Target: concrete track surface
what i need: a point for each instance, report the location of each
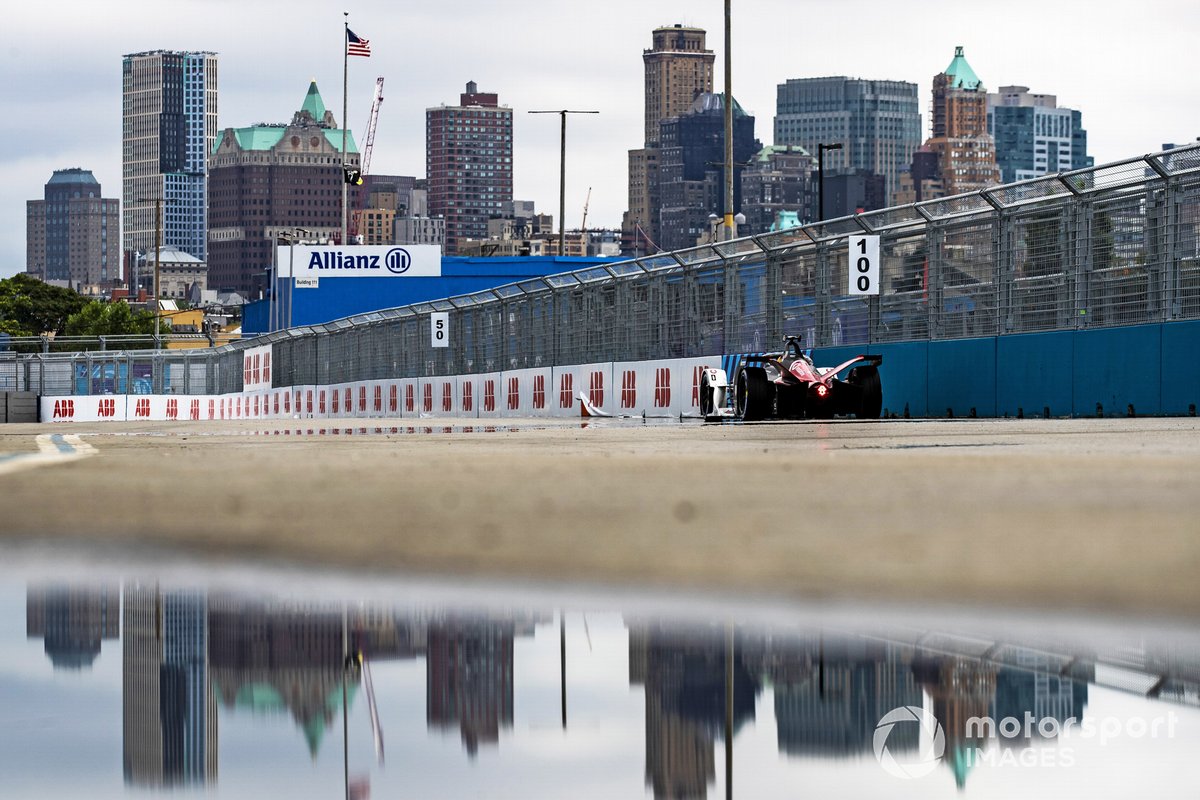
(1089, 514)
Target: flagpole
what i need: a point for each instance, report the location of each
(345, 111)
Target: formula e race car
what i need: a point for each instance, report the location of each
(788, 385)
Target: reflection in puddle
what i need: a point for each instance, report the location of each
(237, 693)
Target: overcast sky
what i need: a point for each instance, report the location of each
(1130, 69)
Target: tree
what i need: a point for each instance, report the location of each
(29, 307)
(109, 319)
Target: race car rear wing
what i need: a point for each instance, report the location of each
(873, 361)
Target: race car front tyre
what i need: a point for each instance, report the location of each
(866, 378)
(755, 397)
(707, 406)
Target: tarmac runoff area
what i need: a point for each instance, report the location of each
(1100, 515)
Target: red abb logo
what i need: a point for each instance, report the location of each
(248, 369)
(308, 400)
(539, 391)
(379, 398)
(142, 409)
(489, 395)
(514, 394)
(64, 409)
(566, 390)
(628, 389)
(427, 398)
(337, 401)
(662, 387)
(468, 399)
(447, 397)
(266, 370)
(393, 398)
(256, 404)
(349, 400)
(362, 398)
(596, 390)
(408, 398)
(194, 412)
(172, 408)
(107, 407)
(212, 409)
(275, 405)
(696, 373)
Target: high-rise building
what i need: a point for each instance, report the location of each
(966, 151)
(691, 175)
(878, 123)
(271, 179)
(469, 679)
(72, 233)
(1033, 135)
(169, 127)
(468, 163)
(778, 180)
(679, 68)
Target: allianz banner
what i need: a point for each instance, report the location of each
(359, 261)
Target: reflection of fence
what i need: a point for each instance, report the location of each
(1117, 244)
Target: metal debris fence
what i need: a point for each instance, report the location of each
(1117, 244)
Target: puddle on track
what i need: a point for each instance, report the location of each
(115, 681)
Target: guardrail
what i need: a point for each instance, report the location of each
(1112, 245)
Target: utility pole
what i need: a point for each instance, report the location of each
(562, 176)
(730, 224)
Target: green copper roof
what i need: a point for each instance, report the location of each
(313, 103)
(265, 137)
(961, 74)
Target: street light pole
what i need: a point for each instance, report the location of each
(821, 148)
(730, 224)
(562, 176)
(158, 204)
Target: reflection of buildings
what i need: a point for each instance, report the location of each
(469, 678)
(961, 689)
(272, 657)
(1034, 688)
(72, 621)
(170, 720)
(830, 696)
(684, 676)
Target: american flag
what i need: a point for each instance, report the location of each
(356, 46)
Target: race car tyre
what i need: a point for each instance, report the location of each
(755, 394)
(867, 380)
(707, 408)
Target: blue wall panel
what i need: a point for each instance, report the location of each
(1118, 367)
(1033, 371)
(1180, 366)
(962, 376)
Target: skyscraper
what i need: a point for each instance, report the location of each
(679, 68)
(71, 234)
(691, 175)
(966, 151)
(169, 127)
(878, 123)
(270, 179)
(468, 161)
(1033, 135)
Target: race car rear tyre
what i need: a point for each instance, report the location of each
(755, 396)
(870, 404)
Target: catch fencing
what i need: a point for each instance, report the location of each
(1113, 245)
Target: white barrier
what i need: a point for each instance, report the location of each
(665, 388)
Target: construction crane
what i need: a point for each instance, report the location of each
(365, 160)
(586, 202)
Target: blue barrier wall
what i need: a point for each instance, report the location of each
(337, 298)
(1154, 368)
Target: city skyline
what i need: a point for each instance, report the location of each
(76, 101)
